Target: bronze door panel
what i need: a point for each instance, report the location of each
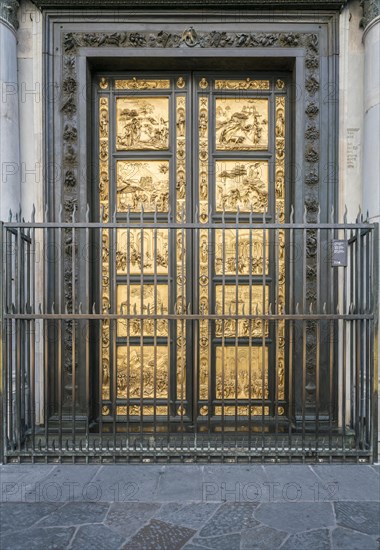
(195, 149)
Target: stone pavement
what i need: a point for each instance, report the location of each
(190, 507)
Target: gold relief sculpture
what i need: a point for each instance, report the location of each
(236, 373)
(129, 302)
(230, 410)
(203, 159)
(241, 124)
(249, 249)
(280, 206)
(146, 250)
(236, 305)
(103, 83)
(142, 183)
(104, 197)
(141, 84)
(203, 83)
(204, 339)
(135, 410)
(241, 184)
(181, 156)
(181, 239)
(142, 372)
(246, 84)
(181, 83)
(142, 123)
(280, 84)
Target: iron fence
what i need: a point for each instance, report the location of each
(304, 388)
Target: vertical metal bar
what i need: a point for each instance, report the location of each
(183, 310)
(168, 413)
(277, 311)
(236, 325)
(87, 330)
(223, 326)
(59, 343)
(23, 363)
(18, 339)
(46, 407)
(3, 364)
(318, 333)
(142, 329)
(196, 332)
(250, 264)
(33, 337)
(209, 332)
(155, 312)
(100, 333)
(360, 339)
(10, 433)
(374, 359)
(304, 324)
(129, 311)
(352, 348)
(113, 326)
(27, 346)
(291, 331)
(365, 332)
(73, 335)
(331, 346)
(344, 351)
(358, 366)
(265, 320)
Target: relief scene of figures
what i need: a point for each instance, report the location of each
(241, 184)
(241, 124)
(142, 184)
(142, 123)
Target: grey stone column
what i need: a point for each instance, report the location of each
(371, 143)
(9, 110)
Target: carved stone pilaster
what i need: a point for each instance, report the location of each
(8, 12)
(371, 9)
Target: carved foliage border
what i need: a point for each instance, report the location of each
(190, 38)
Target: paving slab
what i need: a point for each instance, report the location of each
(16, 515)
(22, 482)
(291, 483)
(319, 539)
(96, 537)
(122, 483)
(62, 483)
(39, 538)
(360, 516)
(76, 513)
(126, 518)
(231, 517)
(348, 482)
(293, 517)
(159, 535)
(193, 515)
(262, 538)
(180, 483)
(346, 539)
(226, 542)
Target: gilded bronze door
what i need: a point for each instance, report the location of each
(187, 162)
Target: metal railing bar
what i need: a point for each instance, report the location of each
(194, 316)
(147, 224)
